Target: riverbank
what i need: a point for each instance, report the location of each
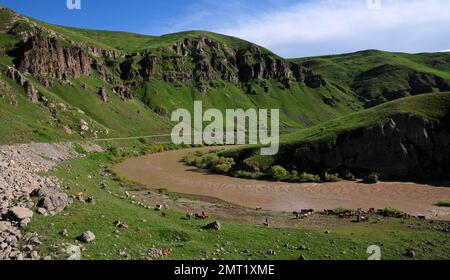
(167, 170)
(131, 222)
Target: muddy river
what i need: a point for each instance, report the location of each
(165, 170)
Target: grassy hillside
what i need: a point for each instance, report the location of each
(434, 106)
(149, 112)
(168, 72)
(150, 229)
(377, 76)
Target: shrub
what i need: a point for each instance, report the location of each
(190, 159)
(198, 154)
(392, 212)
(199, 163)
(248, 175)
(143, 140)
(371, 179)
(210, 160)
(443, 203)
(349, 176)
(341, 210)
(331, 177)
(279, 173)
(309, 178)
(114, 151)
(79, 149)
(224, 165)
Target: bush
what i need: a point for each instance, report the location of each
(114, 151)
(198, 154)
(331, 177)
(79, 149)
(224, 165)
(443, 203)
(341, 210)
(309, 178)
(210, 160)
(248, 175)
(349, 176)
(279, 173)
(392, 212)
(143, 140)
(190, 159)
(371, 179)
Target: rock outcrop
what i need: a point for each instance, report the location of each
(46, 56)
(200, 61)
(103, 94)
(405, 146)
(204, 60)
(19, 181)
(29, 88)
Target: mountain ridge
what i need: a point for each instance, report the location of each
(88, 83)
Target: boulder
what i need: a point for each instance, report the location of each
(214, 226)
(103, 94)
(21, 213)
(53, 201)
(87, 237)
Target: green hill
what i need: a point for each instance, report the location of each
(68, 83)
(406, 138)
(124, 84)
(377, 76)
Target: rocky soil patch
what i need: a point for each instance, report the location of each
(23, 191)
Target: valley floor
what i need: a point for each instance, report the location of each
(101, 198)
(167, 170)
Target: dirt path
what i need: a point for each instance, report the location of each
(165, 170)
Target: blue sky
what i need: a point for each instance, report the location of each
(291, 28)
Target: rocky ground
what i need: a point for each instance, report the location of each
(23, 193)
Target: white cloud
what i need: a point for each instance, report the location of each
(327, 26)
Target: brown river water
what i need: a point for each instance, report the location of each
(165, 170)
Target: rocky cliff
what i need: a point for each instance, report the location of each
(201, 61)
(404, 146)
(46, 56)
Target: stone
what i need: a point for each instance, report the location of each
(53, 201)
(73, 252)
(103, 94)
(155, 253)
(42, 211)
(24, 223)
(120, 224)
(410, 253)
(21, 213)
(64, 233)
(87, 237)
(214, 226)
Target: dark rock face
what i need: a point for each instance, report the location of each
(31, 91)
(201, 61)
(29, 88)
(103, 94)
(45, 56)
(204, 60)
(404, 146)
(124, 92)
